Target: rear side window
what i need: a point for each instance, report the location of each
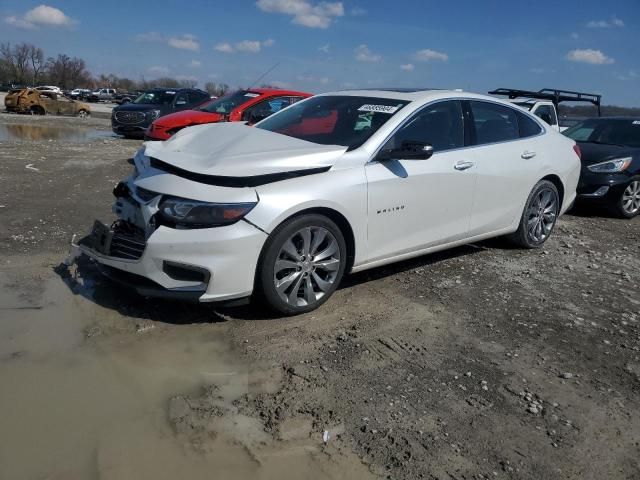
(546, 113)
(527, 126)
(494, 123)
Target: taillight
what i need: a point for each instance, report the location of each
(576, 149)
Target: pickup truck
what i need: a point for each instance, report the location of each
(125, 97)
(544, 103)
(102, 95)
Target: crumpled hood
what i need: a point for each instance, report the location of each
(189, 117)
(237, 150)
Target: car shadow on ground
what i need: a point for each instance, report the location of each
(259, 312)
(85, 279)
(594, 210)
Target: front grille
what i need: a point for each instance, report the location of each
(127, 242)
(129, 118)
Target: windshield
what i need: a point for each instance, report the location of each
(226, 104)
(334, 120)
(156, 97)
(615, 131)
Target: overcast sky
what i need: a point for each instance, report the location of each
(587, 45)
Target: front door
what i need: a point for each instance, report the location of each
(416, 204)
(49, 102)
(65, 106)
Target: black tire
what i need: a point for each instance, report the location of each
(621, 208)
(536, 223)
(311, 276)
(37, 110)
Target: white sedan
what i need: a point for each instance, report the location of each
(340, 182)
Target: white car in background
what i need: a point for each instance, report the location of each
(284, 209)
(49, 88)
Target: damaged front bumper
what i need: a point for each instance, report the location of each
(207, 265)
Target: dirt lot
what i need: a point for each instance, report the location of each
(481, 362)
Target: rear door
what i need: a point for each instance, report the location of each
(506, 156)
(416, 204)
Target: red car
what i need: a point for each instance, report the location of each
(250, 106)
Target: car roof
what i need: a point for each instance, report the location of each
(169, 89)
(415, 95)
(278, 91)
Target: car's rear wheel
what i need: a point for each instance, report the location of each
(539, 216)
(628, 204)
(83, 114)
(301, 264)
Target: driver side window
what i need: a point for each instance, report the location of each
(181, 99)
(267, 107)
(440, 125)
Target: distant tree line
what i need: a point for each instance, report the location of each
(592, 111)
(25, 64)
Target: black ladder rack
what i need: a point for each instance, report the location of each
(552, 94)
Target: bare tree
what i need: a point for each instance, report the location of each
(17, 60)
(67, 72)
(216, 89)
(78, 74)
(36, 57)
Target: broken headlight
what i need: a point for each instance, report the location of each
(185, 213)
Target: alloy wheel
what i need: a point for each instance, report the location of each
(541, 215)
(306, 266)
(83, 114)
(631, 198)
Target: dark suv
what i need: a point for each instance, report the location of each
(132, 119)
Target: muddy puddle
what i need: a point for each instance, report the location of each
(79, 404)
(46, 132)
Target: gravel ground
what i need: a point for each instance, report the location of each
(481, 362)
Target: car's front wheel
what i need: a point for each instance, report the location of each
(82, 114)
(628, 204)
(301, 264)
(539, 216)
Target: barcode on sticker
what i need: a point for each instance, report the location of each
(378, 108)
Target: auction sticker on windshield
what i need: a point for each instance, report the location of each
(378, 108)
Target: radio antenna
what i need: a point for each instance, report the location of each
(264, 74)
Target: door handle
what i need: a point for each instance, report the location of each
(463, 165)
(527, 155)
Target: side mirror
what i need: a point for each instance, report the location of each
(409, 150)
